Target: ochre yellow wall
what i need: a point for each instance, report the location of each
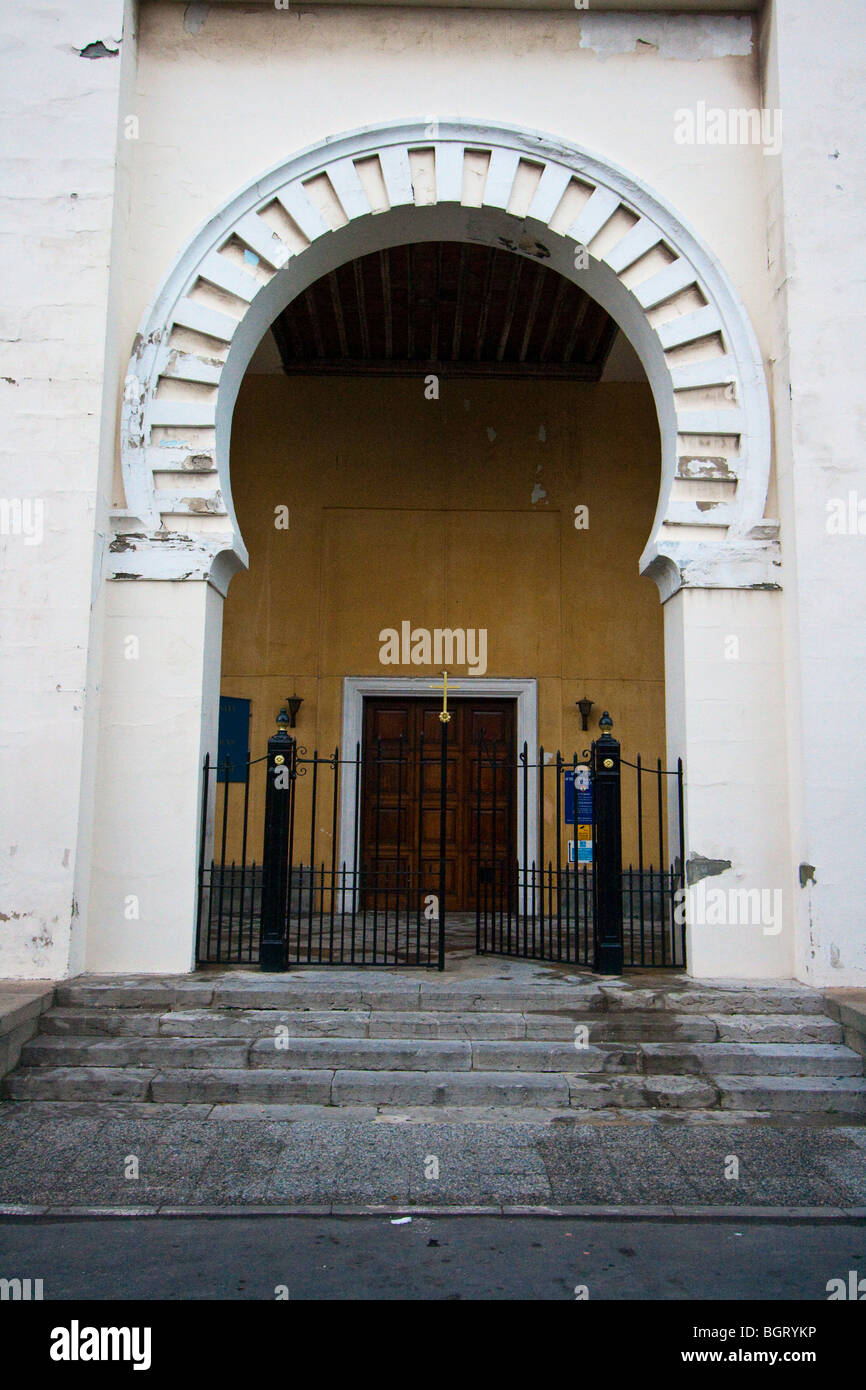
(408, 508)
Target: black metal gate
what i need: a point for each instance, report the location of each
(316, 895)
(570, 896)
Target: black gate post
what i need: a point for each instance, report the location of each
(443, 775)
(275, 865)
(607, 856)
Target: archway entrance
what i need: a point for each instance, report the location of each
(426, 446)
(598, 228)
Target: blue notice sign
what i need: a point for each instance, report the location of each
(234, 739)
(578, 788)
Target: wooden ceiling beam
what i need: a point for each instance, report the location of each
(338, 314)
(458, 312)
(361, 303)
(577, 325)
(313, 313)
(510, 308)
(558, 302)
(532, 311)
(410, 302)
(434, 324)
(485, 304)
(385, 272)
(600, 340)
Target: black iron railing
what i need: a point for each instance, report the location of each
(342, 861)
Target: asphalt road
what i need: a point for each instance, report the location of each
(432, 1258)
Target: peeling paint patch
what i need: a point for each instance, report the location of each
(491, 433)
(835, 957)
(98, 50)
(699, 466)
(195, 16)
(538, 493)
(686, 37)
(698, 867)
(527, 244)
(807, 874)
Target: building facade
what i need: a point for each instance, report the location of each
(532, 322)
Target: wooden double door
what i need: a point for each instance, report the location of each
(401, 802)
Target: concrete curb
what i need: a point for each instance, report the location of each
(14, 1212)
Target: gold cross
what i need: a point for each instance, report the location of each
(444, 716)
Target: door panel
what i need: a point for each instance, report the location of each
(400, 817)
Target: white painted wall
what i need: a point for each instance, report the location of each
(814, 61)
(155, 729)
(725, 719)
(60, 184)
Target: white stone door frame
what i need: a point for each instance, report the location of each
(357, 688)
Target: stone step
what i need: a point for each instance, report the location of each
(320, 991)
(843, 1096)
(745, 999)
(362, 1087)
(78, 1083)
(109, 1021)
(207, 1023)
(100, 1022)
(441, 1054)
(744, 1059)
(314, 989)
(775, 1028)
(819, 1097)
(426, 1054)
(661, 1092)
(362, 1054)
(622, 1027)
(135, 1052)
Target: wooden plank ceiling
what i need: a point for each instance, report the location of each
(445, 306)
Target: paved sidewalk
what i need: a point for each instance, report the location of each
(57, 1157)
